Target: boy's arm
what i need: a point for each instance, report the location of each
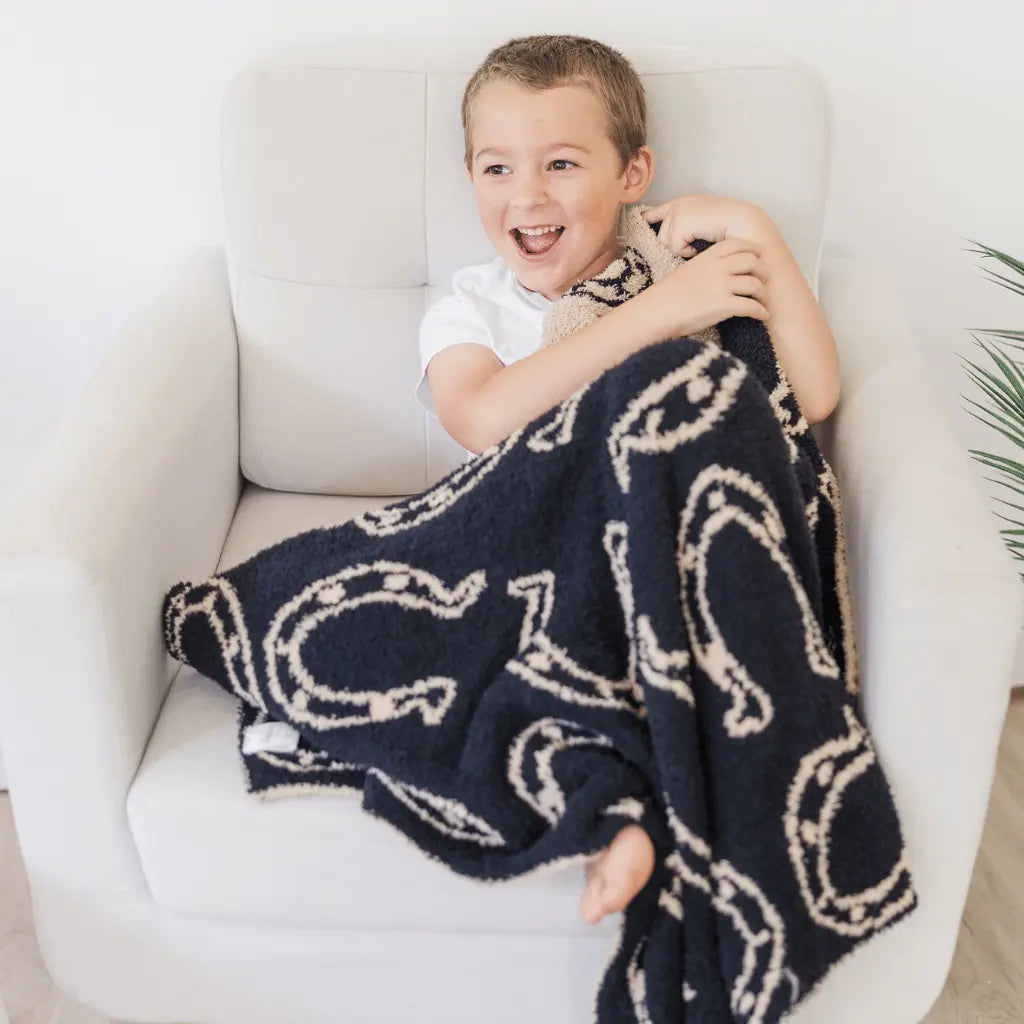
(482, 403)
(511, 396)
(798, 329)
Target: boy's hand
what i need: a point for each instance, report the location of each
(703, 216)
(723, 281)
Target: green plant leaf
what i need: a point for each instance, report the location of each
(999, 394)
(1006, 519)
(1014, 422)
(1003, 501)
(1017, 438)
(1003, 483)
(986, 250)
(1005, 391)
(1011, 372)
(1009, 464)
(1005, 282)
(1014, 470)
(999, 333)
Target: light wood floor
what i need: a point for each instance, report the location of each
(985, 985)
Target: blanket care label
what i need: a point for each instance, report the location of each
(278, 737)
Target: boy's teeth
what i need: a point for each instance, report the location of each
(539, 231)
(536, 243)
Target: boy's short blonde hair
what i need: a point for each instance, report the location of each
(547, 61)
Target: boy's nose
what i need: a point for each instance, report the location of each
(529, 193)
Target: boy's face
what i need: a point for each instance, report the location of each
(532, 175)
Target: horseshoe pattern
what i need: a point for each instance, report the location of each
(217, 601)
(444, 814)
(636, 982)
(787, 412)
(545, 665)
(741, 900)
(794, 424)
(718, 497)
(743, 903)
(404, 515)
(664, 670)
(307, 761)
(628, 807)
(382, 582)
(814, 798)
(709, 380)
(559, 431)
(532, 754)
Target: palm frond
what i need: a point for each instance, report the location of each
(1004, 483)
(1003, 501)
(997, 332)
(1010, 371)
(1016, 522)
(986, 250)
(1014, 470)
(1004, 389)
(1005, 282)
(1017, 437)
(999, 394)
(1007, 396)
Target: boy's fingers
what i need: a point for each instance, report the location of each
(654, 211)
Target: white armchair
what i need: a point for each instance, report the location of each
(267, 390)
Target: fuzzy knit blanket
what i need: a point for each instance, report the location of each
(633, 609)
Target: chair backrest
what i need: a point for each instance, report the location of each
(348, 209)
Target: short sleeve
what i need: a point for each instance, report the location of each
(452, 320)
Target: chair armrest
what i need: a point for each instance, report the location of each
(938, 605)
(135, 490)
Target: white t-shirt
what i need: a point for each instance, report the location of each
(489, 306)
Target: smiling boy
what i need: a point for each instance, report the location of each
(555, 132)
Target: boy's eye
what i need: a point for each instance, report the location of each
(487, 170)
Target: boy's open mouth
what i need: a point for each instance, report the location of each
(535, 246)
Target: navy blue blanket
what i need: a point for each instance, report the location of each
(633, 609)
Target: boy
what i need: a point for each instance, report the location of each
(554, 130)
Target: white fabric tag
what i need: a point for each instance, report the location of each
(279, 737)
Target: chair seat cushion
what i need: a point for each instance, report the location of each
(210, 848)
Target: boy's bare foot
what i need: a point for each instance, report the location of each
(616, 874)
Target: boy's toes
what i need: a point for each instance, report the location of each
(617, 874)
(590, 903)
(599, 897)
(616, 895)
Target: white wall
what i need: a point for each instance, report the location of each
(109, 155)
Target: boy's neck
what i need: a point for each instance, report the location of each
(616, 253)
